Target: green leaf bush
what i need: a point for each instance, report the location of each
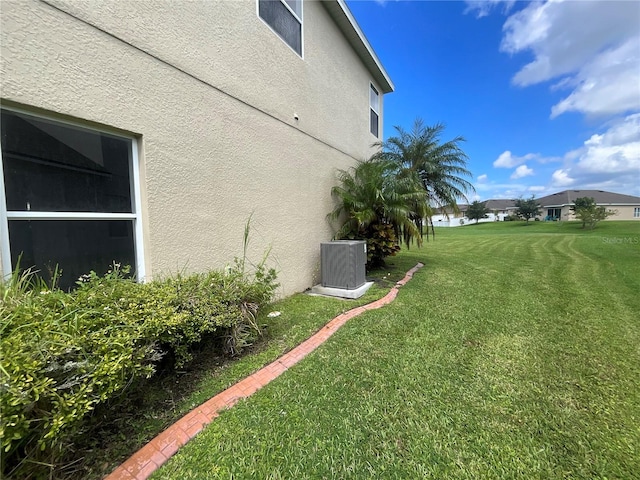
(381, 241)
(63, 353)
(379, 202)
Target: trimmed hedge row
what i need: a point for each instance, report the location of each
(64, 353)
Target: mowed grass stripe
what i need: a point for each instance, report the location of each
(512, 354)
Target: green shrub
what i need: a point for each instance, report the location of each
(382, 242)
(64, 353)
(59, 359)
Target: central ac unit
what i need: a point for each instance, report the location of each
(343, 263)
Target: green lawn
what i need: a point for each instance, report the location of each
(514, 353)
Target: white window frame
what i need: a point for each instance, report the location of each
(636, 212)
(376, 110)
(136, 215)
(297, 17)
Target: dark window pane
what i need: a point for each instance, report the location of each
(283, 22)
(76, 246)
(374, 123)
(295, 5)
(374, 99)
(53, 167)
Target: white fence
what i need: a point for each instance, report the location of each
(443, 221)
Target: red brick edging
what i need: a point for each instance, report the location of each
(150, 457)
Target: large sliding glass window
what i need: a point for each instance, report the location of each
(69, 198)
(554, 213)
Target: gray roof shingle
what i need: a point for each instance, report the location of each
(567, 197)
(500, 204)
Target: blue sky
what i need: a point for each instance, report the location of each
(547, 93)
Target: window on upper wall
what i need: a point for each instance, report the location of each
(636, 212)
(285, 18)
(374, 107)
(69, 198)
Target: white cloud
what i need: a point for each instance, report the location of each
(482, 178)
(482, 8)
(616, 151)
(561, 178)
(592, 44)
(609, 85)
(508, 160)
(521, 171)
(589, 53)
(606, 160)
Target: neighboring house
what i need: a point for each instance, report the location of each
(500, 208)
(149, 132)
(552, 207)
(446, 217)
(558, 205)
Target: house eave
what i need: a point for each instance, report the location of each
(339, 11)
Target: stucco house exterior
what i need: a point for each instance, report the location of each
(446, 217)
(149, 132)
(558, 205)
(500, 208)
(552, 207)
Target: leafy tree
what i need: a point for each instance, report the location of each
(586, 210)
(477, 211)
(527, 209)
(378, 203)
(440, 166)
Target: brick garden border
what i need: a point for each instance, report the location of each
(150, 457)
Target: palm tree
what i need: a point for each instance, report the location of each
(377, 204)
(441, 167)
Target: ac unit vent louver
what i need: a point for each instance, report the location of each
(343, 264)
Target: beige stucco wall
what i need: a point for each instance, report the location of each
(226, 44)
(623, 212)
(215, 118)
